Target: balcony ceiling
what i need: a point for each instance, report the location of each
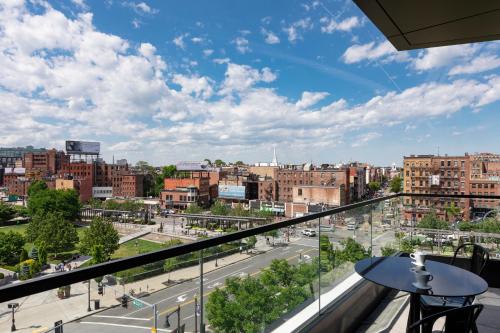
(414, 24)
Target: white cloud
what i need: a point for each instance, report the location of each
(482, 63)
(363, 139)
(60, 77)
(197, 40)
(141, 7)
(369, 51)
(136, 23)
(270, 37)
(295, 30)
(221, 61)
(310, 98)
(179, 41)
(242, 45)
(266, 20)
(329, 25)
(239, 78)
(443, 56)
(208, 52)
(81, 4)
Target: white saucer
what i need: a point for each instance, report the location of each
(415, 263)
(418, 286)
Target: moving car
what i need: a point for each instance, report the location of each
(309, 232)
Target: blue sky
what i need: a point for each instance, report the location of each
(164, 81)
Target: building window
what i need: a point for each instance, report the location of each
(442, 163)
(300, 192)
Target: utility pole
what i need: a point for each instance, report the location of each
(202, 329)
(88, 304)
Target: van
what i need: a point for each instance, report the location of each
(309, 232)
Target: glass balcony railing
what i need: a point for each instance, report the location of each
(274, 277)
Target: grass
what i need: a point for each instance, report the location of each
(130, 248)
(21, 228)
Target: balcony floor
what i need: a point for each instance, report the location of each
(392, 313)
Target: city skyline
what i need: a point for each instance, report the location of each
(315, 79)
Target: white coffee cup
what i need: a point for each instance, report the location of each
(419, 258)
(423, 278)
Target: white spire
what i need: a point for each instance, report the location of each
(275, 159)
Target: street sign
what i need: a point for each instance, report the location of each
(137, 304)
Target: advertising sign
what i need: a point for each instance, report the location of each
(434, 180)
(83, 147)
(232, 192)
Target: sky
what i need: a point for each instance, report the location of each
(167, 81)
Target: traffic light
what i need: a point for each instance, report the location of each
(124, 301)
(100, 289)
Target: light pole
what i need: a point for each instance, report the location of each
(13, 306)
(178, 311)
(88, 306)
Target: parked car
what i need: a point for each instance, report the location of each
(309, 232)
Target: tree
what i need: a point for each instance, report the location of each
(6, 212)
(168, 171)
(251, 241)
(36, 186)
(208, 161)
(374, 186)
(388, 251)
(453, 211)
(239, 163)
(219, 163)
(396, 184)
(98, 254)
(353, 251)
(11, 246)
(432, 221)
(46, 201)
(239, 210)
(219, 208)
(102, 234)
(52, 231)
(193, 209)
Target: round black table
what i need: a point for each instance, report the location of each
(396, 273)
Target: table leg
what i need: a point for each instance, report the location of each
(414, 314)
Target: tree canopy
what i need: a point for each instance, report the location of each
(52, 232)
(101, 234)
(396, 184)
(11, 246)
(219, 163)
(65, 202)
(6, 212)
(374, 186)
(432, 221)
(36, 186)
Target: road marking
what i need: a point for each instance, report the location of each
(122, 325)
(188, 291)
(181, 298)
(215, 285)
(120, 317)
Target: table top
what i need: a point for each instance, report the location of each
(396, 273)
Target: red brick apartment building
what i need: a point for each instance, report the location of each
(468, 174)
(131, 186)
(192, 187)
(49, 162)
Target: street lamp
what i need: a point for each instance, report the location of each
(13, 306)
(178, 311)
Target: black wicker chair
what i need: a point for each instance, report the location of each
(458, 320)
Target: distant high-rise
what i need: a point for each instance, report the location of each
(275, 159)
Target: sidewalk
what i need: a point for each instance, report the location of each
(41, 310)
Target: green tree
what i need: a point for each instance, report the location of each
(65, 202)
(98, 254)
(193, 209)
(24, 255)
(102, 234)
(251, 241)
(239, 163)
(388, 251)
(219, 163)
(453, 211)
(53, 231)
(6, 212)
(11, 246)
(42, 254)
(432, 221)
(396, 184)
(352, 251)
(208, 161)
(219, 208)
(36, 186)
(374, 186)
(168, 171)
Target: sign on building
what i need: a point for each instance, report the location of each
(102, 192)
(232, 192)
(83, 147)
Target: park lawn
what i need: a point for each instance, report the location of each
(20, 228)
(135, 247)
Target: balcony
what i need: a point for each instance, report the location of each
(294, 275)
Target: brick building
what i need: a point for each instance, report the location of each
(192, 187)
(131, 186)
(287, 178)
(48, 162)
(327, 195)
(429, 174)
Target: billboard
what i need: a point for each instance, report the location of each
(434, 180)
(83, 147)
(232, 192)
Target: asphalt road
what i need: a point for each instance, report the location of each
(134, 319)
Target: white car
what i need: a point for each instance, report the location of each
(309, 232)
